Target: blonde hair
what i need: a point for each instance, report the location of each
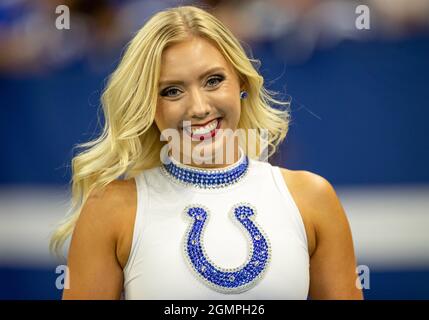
(130, 140)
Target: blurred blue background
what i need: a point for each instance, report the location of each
(359, 119)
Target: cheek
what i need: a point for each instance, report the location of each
(231, 106)
(230, 98)
(167, 116)
(163, 117)
(235, 113)
(159, 118)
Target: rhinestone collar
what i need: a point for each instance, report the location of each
(206, 178)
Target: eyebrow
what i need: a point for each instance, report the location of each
(214, 69)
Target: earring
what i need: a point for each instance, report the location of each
(243, 94)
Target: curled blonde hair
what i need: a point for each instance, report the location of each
(130, 140)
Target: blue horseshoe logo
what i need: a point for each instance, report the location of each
(222, 279)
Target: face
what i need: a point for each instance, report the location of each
(197, 85)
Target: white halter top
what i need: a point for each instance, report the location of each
(243, 239)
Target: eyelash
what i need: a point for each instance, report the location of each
(218, 77)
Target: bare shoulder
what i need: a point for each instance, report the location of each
(119, 199)
(313, 195)
(332, 263)
(99, 241)
(316, 194)
(307, 180)
(112, 206)
(116, 192)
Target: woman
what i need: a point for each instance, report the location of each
(165, 230)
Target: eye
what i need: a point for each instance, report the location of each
(215, 80)
(166, 92)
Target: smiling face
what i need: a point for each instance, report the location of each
(197, 85)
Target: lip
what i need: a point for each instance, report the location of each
(206, 136)
(203, 124)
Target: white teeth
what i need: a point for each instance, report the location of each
(206, 129)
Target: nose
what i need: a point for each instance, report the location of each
(199, 108)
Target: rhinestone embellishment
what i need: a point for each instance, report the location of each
(227, 280)
(206, 178)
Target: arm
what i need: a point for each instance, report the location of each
(333, 263)
(332, 259)
(94, 270)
